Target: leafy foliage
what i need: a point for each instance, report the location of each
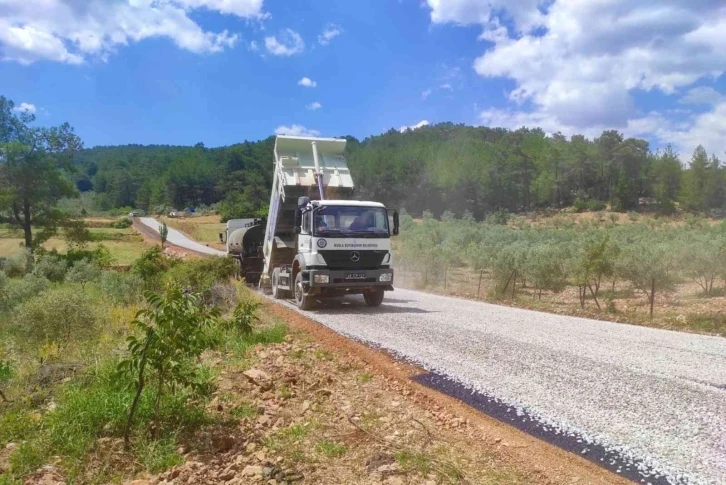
(52, 267)
(173, 336)
(34, 166)
(82, 272)
(57, 315)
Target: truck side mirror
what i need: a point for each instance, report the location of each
(395, 223)
(222, 238)
(296, 230)
(298, 220)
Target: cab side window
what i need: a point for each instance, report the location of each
(306, 222)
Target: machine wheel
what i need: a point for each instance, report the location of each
(374, 298)
(303, 301)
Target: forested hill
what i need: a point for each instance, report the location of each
(442, 167)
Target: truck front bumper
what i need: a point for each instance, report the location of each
(342, 278)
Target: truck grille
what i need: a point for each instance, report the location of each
(347, 260)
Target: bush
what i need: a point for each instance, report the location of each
(122, 288)
(201, 274)
(20, 290)
(100, 255)
(18, 265)
(595, 205)
(52, 267)
(580, 205)
(123, 223)
(82, 272)
(58, 315)
(500, 217)
(150, 265)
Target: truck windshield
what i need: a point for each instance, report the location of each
(331, 221)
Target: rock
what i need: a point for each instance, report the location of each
(393, 481)
(252, 471)
(378, 460)
(256, 376)
(223, 443)
(305, 406)
(11, 446)
(263, 420)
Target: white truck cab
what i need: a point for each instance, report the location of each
(316, 247)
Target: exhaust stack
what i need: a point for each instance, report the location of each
(318, 172)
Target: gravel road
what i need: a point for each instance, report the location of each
(178, 239)
(655, 396)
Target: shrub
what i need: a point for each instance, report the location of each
(595, 205)
(18, 265)
(100, 255)
(123, 223)
(124, 288)
(201, 274)
(82, 272)
(151, 264)
(20, 290)
(174, 333)
(500, 217)
(580, 205)
(52, 267)
(57, 315)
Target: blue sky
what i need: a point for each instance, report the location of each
(222, 71)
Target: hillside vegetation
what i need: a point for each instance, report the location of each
(442, 167)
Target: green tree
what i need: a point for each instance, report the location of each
(33, 172)
(695, 194)
(163, 233)
(667, 173)
(173, 335)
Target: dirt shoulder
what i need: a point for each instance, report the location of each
(321, 409)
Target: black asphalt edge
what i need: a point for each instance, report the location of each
(613, 461)
(634, 470)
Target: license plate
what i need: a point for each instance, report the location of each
(355, 276)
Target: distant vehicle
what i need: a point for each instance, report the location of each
(133, 214)
(313, 247)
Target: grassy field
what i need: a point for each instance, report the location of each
(204, 229)
(125, 245)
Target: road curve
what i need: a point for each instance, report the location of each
(653, 396)
(178, 239)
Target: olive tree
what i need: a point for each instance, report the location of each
(650, 267)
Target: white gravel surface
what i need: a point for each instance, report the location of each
(178, 239)
(654, 395)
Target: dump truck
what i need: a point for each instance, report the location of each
(318, 241)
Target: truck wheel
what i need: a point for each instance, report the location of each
(303, 301)
(277, 293)
(373, 298)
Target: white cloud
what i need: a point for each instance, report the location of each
(446, 86)
(72, 31)
(289, 43)
(413, 127)
(253, 46)
(295, 130)
(426, 93)
(313, 106)
(578, 65)
(307, 82)
(26, 107)
(702, 95)
(330, 32)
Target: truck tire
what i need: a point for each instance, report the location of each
(374, 298)
(303, 301)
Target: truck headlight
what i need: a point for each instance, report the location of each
(321, 278)
(386, 277)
